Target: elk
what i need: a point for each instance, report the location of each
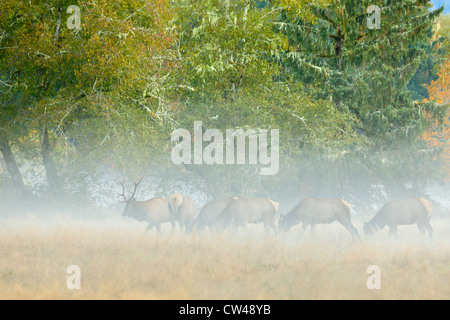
(154, 211)
(241, 212)
(402, 212)
(211, 211)
(312, 211)
(182, 208)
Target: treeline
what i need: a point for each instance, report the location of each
(351, 102)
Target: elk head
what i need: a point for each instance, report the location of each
(370, 228)
(130, 201)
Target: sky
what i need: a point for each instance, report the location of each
(439, 3)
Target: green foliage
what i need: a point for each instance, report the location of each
(230, 56)
(84, 83)
(112, 92)
(444, 29)
(435, 56)
(368, 74)
(226, 46)
(364, 71)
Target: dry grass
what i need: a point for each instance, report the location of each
(118, 260)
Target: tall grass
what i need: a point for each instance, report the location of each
(118, 260)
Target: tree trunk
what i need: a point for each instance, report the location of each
(53, 179)
(339, 43)
(11, 165)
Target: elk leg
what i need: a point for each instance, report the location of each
(351, 228)
(313, 230)
(233, 225)
(266, 227)
(421, 228)
(304, 226)
(429, 228)
(269, 225)
(149, 227)
(274, 227)
(189, 227)
(173, 224)
(392, 231)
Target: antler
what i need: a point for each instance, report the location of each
(136, 185)
(123, 191)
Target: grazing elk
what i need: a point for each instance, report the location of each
(241, 212)
(154, 211)
(312, 211)
(402, 212)
(211, 211)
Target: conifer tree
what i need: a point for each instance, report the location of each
(366, 71)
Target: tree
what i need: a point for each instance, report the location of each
(364, 71)
(55, 79)
(438, 135)
(229, 52)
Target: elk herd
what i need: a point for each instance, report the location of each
(235, 212)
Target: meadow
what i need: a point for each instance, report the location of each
(119, 260)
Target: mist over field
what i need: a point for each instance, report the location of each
(118, 260)
(247, 149)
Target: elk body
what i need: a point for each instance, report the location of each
(154, 211)
(402, 212)
(211, 211)
(182, 208)
(312, 211)
(242, 212)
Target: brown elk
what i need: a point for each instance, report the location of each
(211, 211)
(402, 212)
(182, 208)
(154, 211)
(312, 211)
(241, 212)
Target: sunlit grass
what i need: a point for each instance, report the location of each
(118, 260)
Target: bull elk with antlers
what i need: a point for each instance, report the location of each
(154, 211)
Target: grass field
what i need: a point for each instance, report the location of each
(118, 260)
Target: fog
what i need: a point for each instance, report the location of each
(224, 150)
(120, 259)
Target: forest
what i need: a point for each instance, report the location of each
(224, 149)
(89, 88)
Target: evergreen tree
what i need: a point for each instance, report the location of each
(366, 71)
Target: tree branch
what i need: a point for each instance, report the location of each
(58, 27)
